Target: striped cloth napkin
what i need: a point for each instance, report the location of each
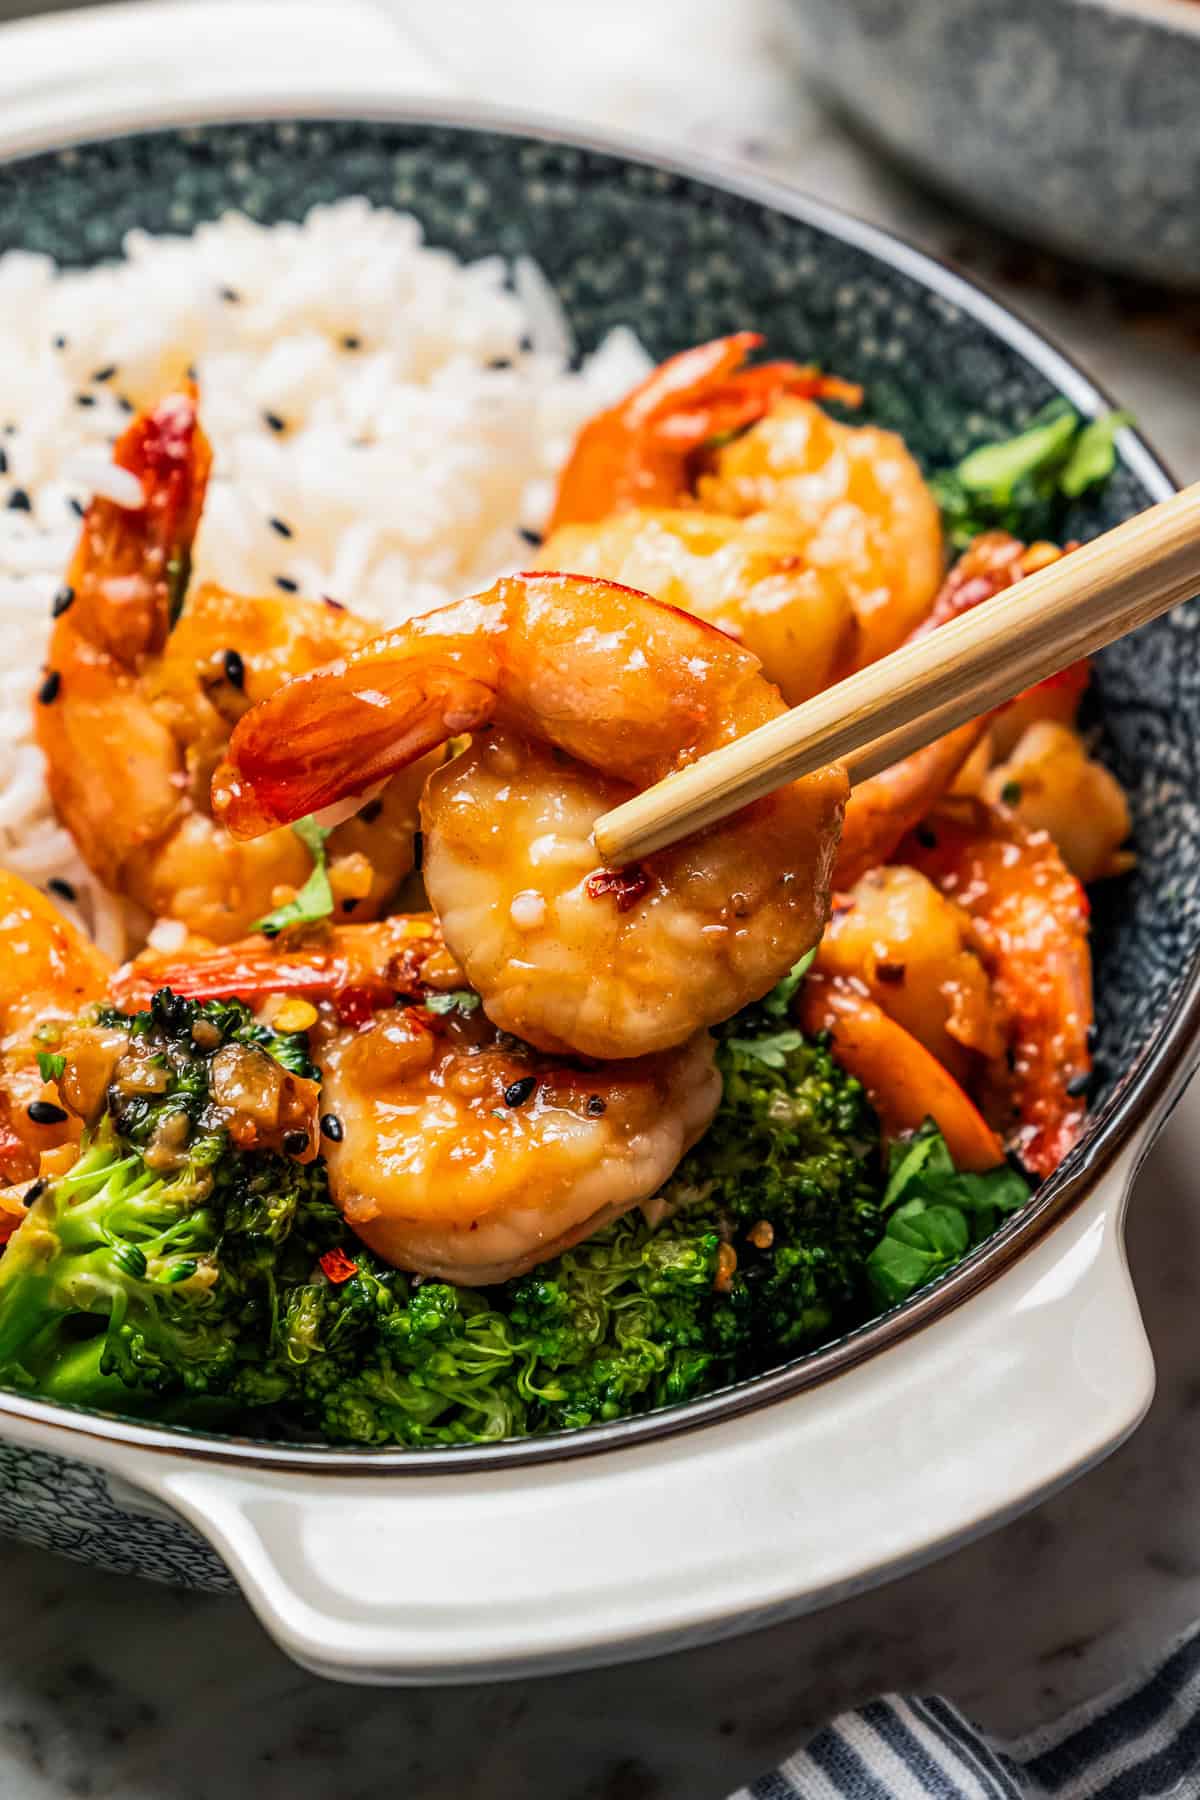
(1140, 1740)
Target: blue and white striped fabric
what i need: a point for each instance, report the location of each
(1139, 1741)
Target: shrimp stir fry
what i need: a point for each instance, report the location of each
(578, 692)
(452, 1149)
(147, 683)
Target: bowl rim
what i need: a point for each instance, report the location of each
(1163, 1070)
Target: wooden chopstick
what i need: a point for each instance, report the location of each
(877, 717)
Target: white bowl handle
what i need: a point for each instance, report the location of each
(464, 1576)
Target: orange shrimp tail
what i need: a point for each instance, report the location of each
(1032, 915)
(905, 1084)
(636, 453)
(130, 569)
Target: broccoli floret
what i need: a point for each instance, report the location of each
(153, 1268)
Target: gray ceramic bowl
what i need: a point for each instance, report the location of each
(1075, 123)
(876, 1450)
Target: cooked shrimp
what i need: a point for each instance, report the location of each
(847, 501)
(742, 575)
(457, 1152)
(639, 452)
(1030, 917)
(904, 1083)
(1052, 784)
(857, 505)
(596, 691)
(917, 955)
(48, 971)
(143, 700)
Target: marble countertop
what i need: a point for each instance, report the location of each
(119, 1688)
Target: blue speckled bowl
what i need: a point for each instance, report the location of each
(1070, 122)
(681, 256)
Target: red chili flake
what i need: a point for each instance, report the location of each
(338, 1267)
(355, 1005)
(626, 885)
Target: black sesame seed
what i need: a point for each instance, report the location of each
(351, 342)
(348, 906)
(106, 373)
(418, 851)
(19, 501)
(48, 692)
(230, 296)
(331, 1127)
(59, 342)
(287, 585)
(371, 811)
(64, 599)
(1079, 1084)
(526, 343)
(596, 1106)
(519, 1091)
(85, 399)
(332, 604)
(235, 669)
(76, 506)
(281, 526)
(62, 888)
(274, 421)
(295, 1143)
(10, 429)
(500, 362)
(190, 372)
(531, 537)
(3, 461)
(35, 1192)
(125, 403)
(44, 1112)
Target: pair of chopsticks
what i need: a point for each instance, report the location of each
(904, 701)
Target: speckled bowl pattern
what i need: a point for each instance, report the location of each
(1073, 123)
(680, 260)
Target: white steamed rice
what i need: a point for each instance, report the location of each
(426, 405)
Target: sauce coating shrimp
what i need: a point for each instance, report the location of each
(742, 575)
(1030, 917)
(858, 507)
(48, 970)
(143, 696)
(593, 691)
(845, 548)
(455, 1151)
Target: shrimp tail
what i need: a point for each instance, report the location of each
(131, 568)
(636, 452)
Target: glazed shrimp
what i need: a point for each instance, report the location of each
(639, 452)
(591, 691)
(1030, 918)
(48, 971)
(454, 1151)
(141, 697)
(847, 502)
(742, 575)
